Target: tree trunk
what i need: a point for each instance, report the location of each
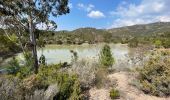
(33, 46)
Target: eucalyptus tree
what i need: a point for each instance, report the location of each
(24, 17)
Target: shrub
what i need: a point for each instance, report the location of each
(154, 77)
(101, 77)
(13, 67)
(114, 94)
(24, 72)
(106, 58)
(69, 86)
(66, 85)
(166, 43)
(10, 88)
(86, 72)
(158, 43)
(18, 70)
(133, 43)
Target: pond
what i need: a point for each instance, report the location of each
(61, 53)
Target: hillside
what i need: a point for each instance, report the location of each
(122, 34)
(142, 30)
(135, 30)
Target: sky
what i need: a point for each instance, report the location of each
(105, 14)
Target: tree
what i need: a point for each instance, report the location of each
(24, 16)
(106, 58)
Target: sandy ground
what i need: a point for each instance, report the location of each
(127, 91)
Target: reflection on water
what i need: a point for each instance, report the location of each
(57, 53)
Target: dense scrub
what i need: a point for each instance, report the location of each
(52, 78)
(154, 77)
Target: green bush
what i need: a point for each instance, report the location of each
(166, 43)
(154, 77)
(114, 94)
(24, 72)
(106, 58)
(21, 71)
(133, 43)
(69, 86)
(158, 43)
(13, 67)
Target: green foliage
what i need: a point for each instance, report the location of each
(106, 58)
(23, 72)
(27, 68)
(166, 43)
(42, 60)
(28, 59)
(41, 42)
(76, 94)
(133, 43)
(47, 74)
(18, 70)
(114, 94)
(7, 46)
(14, 66)
(158, 43)
(69, 86)
(155, 75)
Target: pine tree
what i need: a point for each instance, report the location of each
(106, 58)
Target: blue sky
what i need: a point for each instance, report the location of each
(113, 13)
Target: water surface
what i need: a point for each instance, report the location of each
(61, 53)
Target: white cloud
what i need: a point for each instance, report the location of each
(163, 18)
(147, 11)
(129, 22)
(96, 14)
(70, 5)
(87, 8)
(90, 10)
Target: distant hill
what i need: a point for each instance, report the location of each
(123, 34)
(135, 30)
(141, 30)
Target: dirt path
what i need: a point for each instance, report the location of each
(127, 91)
(130, 92)
(99, 94)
